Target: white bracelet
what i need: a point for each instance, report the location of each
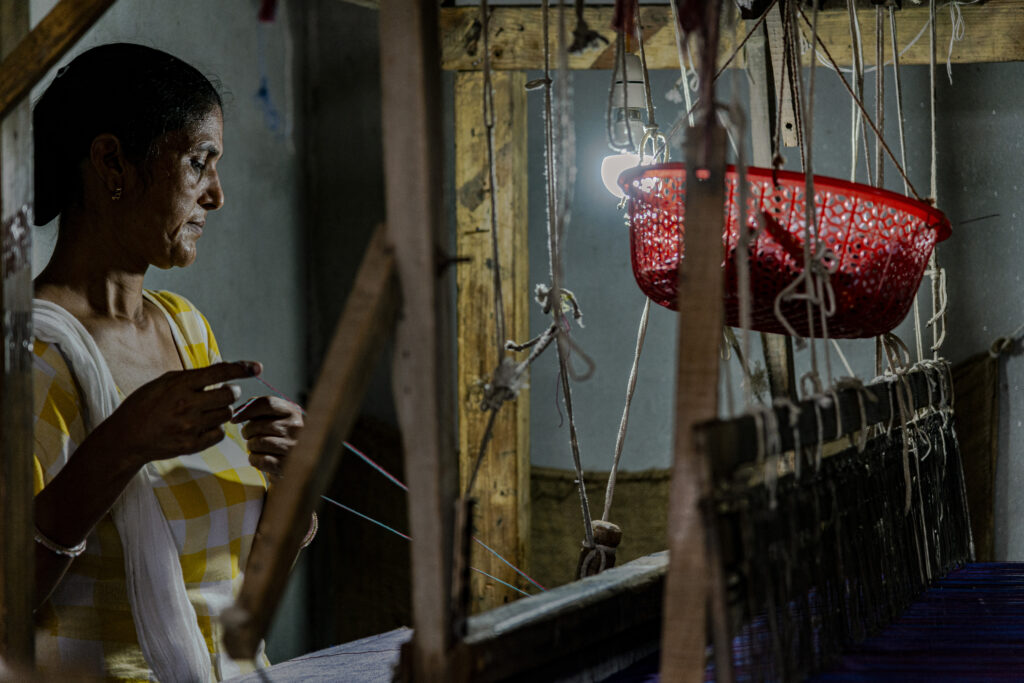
(72, 552)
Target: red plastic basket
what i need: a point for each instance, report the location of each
(881, 241)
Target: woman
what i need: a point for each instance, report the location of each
(148, 493)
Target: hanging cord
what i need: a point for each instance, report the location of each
(559, 172)
(620, 66)
(488, 112)
(657, 141)
(659, 148)
(860, 105)
(879, 94)
(938, 276)
(819, 262)
(903, 156)
(681, 51)
(620, 439)
(688, 116)
(956, 34)
(856, 122)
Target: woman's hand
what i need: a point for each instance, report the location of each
(273, 427)
(177, 413)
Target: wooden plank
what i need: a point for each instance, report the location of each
(517, 40)
(503, 483)
(17, 569)
(359, 336)
(995, 33)
(688, 584)
(734, 442)
(783, 88)
(586, 630)
(423, 369)
(26, 64)
(369, 4)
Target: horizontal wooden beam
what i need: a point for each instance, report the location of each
(369, 4)
(994, 33)
(601, 623)
(364, 326)
(39, 50)
(733, 443)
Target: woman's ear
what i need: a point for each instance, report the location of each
(107, 159)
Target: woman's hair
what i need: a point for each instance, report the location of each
(135, 93)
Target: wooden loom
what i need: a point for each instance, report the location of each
(411, 106)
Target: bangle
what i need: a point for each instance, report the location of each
(314, 524)
(72, 552)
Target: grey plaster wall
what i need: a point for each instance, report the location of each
(249, 277)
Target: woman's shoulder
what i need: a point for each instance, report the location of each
(191, 323)
(51, 369)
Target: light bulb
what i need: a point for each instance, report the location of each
(613, 166)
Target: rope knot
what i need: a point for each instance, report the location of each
(569, 304)
(595, 558)
(504, 385)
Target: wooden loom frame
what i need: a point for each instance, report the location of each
(411, 97)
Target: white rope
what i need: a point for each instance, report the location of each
(959, 29)
(564, 171)
(620, 439)
(683, 74)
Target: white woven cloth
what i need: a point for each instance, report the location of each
(165, 620)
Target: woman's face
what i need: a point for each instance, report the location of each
(181, 188)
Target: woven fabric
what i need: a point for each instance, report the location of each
(212, 501)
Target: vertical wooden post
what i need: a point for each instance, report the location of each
(790, 137)
(17, 575)
(411, 105)
(688, 583)
(503, 483)
(778, 348)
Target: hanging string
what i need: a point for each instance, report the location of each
(956, 34)
(684, 80)
(688, 116)
(503, 583)
(620, 439)
(879, 94)
(858, 85)
(409, 538)
(390, 477)
(620, 68)
(366, 517)
(488, 112)
(860, 105)
(938, 320)
(559, 185)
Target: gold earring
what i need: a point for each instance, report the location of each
(116, 195)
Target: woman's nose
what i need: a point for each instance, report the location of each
(213, 199)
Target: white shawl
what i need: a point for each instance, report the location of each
(165, 620)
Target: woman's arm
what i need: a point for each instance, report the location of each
(173, 415)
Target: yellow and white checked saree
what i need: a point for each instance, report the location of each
(212, 501)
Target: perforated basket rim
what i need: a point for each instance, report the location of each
(932, 217)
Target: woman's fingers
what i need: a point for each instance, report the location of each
(266, 407)
(267, 463)
(220, 397)
(220, 372)
(270, 445)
